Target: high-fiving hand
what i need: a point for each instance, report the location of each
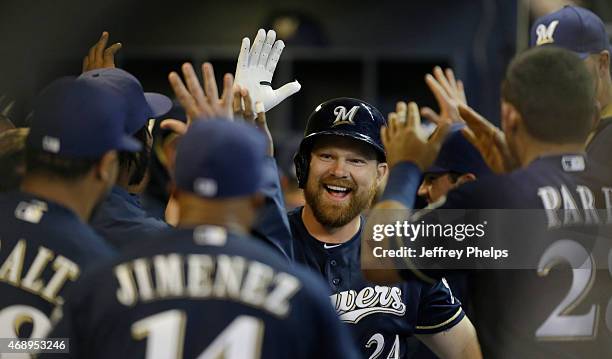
(449, 94)
(255, 68)
(404, 141)
(199, 103)
(489, 140)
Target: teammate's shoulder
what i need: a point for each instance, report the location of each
(295, 214)
(599, 170)
(477, 194)
(602, 139)
(296, 224)
(204, 239)
(52, 225)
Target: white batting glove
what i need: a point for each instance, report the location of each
(256, 67)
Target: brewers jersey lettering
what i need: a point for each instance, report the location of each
(381, 318)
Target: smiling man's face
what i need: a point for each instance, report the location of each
(342, 179)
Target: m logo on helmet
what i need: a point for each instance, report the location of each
(545, 33)
(344, 117)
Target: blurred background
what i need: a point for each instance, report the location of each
(375, 50)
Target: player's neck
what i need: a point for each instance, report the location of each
(534, 150)
(231, 214)
(123, 181)
(75, 196)
(605, 100)
(329, 234)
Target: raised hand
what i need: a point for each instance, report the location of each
(243, 108)
(449, 94)
(404, 141)
(202, 103)
(100, 56)
(255, 69)
(489, 140)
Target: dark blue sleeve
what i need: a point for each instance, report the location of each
(439, 310)
(272, 223)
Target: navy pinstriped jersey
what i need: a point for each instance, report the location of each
(552, 312)
(202, 293)
(380, 318)
(44, 248)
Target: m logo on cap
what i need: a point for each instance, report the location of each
(344, 117)
(545, 33)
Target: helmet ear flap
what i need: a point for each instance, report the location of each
(301, 161)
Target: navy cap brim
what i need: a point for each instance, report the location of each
(129, 144)
(160, 104)
(436, 169)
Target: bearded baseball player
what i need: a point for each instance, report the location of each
(340, 164)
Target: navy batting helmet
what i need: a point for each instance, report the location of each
(344, 116)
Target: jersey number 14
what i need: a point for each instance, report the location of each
(241, 339)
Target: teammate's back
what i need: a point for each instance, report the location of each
(44, 247)
(558, 306)
(549, 297)
(202, 292)
(45, 244)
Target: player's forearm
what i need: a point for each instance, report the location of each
(399, 195)
(459, 342)
(402, 186)
(272, 222)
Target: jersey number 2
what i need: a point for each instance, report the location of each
(560, 325)
(379, 340)
(11, 319)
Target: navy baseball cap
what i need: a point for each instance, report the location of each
(141, 105)
(572, 28)
(79, 118)
(459, 155)
(220, 159)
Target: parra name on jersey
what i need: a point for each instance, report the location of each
(563, 209)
